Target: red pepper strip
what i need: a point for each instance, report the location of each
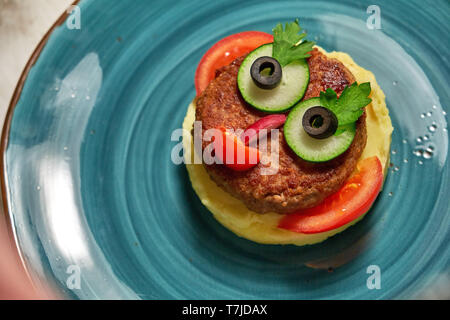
(269, 122)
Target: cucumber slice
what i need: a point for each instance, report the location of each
(295, 78)
(312, 149)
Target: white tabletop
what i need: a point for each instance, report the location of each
(22, 25)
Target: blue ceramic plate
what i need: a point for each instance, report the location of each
(99, 210)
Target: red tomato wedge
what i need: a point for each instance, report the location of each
(232, 152)
(224, 52)
(349, 203)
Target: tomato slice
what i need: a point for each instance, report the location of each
(349, 203)
(233, 153)
(224, 52)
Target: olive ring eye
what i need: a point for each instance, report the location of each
(319, 122)
(266, 72)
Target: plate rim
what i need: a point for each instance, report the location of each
(4, 140)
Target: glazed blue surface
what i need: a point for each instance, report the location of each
(91, 184)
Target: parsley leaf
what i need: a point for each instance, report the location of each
(288, 44)
(329, 99)
(349, 107)
(343, 128)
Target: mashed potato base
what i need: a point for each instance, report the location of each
(262, 228)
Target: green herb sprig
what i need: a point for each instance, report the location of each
(349, 107)
(288, 44)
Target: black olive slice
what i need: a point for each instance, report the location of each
(266, 72)
(319, 122)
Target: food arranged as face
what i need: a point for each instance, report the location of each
(271, 76)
